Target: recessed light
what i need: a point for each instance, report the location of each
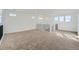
(12, 14)
(40, 18)
(33, 17)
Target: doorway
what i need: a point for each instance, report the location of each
(56, 26)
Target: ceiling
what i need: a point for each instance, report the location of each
(40, 11)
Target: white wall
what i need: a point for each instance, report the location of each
(45, 20)
(1, 16)
(78, 24)
(71, 26)
(23, 21)
(17, 23)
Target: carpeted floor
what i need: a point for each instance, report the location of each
(40, 40)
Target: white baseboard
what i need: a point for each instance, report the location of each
(21, 30)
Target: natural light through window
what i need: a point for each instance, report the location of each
(67, 18)
(59, 34)
(61, 18)
(71, 37)
(56, 18)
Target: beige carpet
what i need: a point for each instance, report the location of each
(40, 40)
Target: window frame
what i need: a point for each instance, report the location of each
(62, 18)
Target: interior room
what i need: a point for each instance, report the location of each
(39, 29)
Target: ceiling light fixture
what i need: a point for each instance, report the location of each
(40, 18)
(33, 17)
(11, 14)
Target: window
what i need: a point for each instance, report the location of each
(0, 19)
(56, 18)
(61, 18)
(67, 18)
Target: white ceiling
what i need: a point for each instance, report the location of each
(41, 11)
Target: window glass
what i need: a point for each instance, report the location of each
(67, 18)
(61, 18)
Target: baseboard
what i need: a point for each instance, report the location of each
(68, 31)
(19, 31)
